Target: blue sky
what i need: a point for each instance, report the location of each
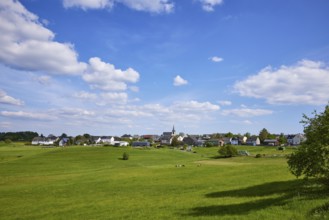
(110, 67)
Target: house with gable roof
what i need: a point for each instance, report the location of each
(166, 137)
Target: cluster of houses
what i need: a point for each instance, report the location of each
(167, 138)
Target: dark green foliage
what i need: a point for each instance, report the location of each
(208, 144)
(18, 136)
(258, 156)
(175, 142)
(125, 156)
(281, 148)
(229, 134)
(8, 141)
(228, 151)
(282, 139)
(263, 134)
(312, 158)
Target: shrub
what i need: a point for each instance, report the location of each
(8, 141)
(228, 151)
(281, 148)
(258, 156)
(125, 156)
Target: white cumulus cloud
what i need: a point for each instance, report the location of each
(85, 95)
(6, 99)
(216, 59)
(179, 81)
(304, 83)
(208, 5)
(26, 44)
(247, 112)
(225, 102)
(88, 4)
(193, 106)
(154, 6)
(27, 115)
(113, 98)
(105, 76)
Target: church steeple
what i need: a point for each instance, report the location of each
(173, 130)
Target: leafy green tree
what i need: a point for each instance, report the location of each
(175, 142)
(229, 134)
(263, 134)
(208, 144)
(312, 158)
(125, 156)
(216, 136)
(87, 136)
(228, 151)
(282, 139)
(63, 135)
(248, 135)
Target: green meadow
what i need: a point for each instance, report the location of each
(95, 183)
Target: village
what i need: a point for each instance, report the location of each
(171, 138)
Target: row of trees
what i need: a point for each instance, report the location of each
(265, 134)
(25, 136)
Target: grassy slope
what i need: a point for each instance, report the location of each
(94, 183)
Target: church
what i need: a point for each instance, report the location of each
(166, 137)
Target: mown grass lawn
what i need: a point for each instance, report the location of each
(95, 183)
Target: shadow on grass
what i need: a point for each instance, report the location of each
(281, 191)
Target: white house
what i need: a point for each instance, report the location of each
(254, 141)
(40, 140)
(121, 143)
(105, 140)
(296, 139)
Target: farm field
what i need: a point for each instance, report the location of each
(95, 183)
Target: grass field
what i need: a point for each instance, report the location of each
(95, 183)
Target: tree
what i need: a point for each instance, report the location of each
(263, 134)
(208, 144)
(282, 139)
(312, 158)
(125, 156)
(229, 135)
(228, 151)
(248, 135)
(63, 135)
(175, 142)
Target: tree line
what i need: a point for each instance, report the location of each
(25, 136)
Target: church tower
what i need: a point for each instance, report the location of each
(173, 131)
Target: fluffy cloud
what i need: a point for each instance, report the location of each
(179, 81)
(304, 83)
(105, 76)
(216, 59)
(113, 98)
(26, 44)
(157, 6)
(208, 5)
(225, 102)
(6, 99)
(194, 106)
(85, 95)
(246, 112)
(27, 115)
(88, 4)
(72, 112)
(154, 6)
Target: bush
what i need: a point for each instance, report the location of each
(228, 151)
(258, 156)
(281, 148)
(8, 141)
(125, 156)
